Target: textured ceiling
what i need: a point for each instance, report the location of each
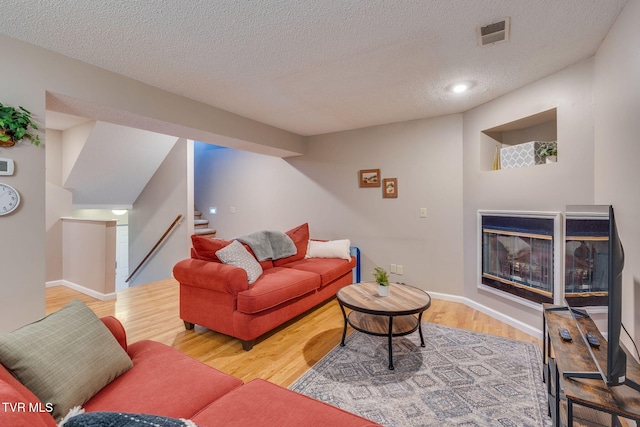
(318, 66)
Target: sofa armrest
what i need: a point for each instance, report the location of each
(117, 329)
(211, 275)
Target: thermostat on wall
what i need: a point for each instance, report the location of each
(6, 166)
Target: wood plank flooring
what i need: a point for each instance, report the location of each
(151, 311)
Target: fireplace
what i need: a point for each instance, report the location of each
(519, 253)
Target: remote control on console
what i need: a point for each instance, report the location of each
(564, 334)
(593, 341)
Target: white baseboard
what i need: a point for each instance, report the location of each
(534, 332)
(82, 289)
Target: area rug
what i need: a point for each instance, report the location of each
(460, 378)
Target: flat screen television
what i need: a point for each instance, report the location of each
(614, 373)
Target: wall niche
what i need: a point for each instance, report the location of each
(519, 143)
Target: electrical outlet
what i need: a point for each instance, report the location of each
(400, 269)
(232, 209)
(423, 212)
(393, 268)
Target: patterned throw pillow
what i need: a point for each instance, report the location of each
(236, 254)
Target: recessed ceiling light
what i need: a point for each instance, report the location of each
(459, 87)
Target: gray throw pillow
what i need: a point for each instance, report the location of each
(236, 254)
(64, 358)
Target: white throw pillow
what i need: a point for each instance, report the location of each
(330, 249)
(236, 254)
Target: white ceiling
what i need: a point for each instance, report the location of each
(318, 66)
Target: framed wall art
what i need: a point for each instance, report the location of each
(369, 178)
(390, 188)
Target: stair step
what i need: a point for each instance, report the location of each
(197, 213)
(198, 222)
(205, 232)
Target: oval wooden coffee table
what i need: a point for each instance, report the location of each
(390, 316)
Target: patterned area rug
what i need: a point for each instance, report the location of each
(460, 378)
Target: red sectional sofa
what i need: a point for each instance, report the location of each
(168, 383)
(219, 297)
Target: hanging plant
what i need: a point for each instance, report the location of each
(16, 125)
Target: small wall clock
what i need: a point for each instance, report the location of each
(9, 199)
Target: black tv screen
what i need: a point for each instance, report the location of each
(616, 357)
(614, 373)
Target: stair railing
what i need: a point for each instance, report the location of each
(166, 233)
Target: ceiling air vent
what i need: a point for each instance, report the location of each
(497, 32)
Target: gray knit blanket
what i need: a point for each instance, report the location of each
(269, 245)
(120, 419)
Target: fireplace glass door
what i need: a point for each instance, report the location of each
(586, 264)
(518, 256)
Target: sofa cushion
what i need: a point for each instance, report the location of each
(205, 248)
(64, 358)
(163, 381)
(237, 255)
(300, 237)
(329, 269)
(329, 249)
(117, 330)
(14, 392)
(276, 286)
(19, 411)
(261, 403)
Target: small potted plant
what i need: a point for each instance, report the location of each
(14, 126)
(382, 279)
(549, 152)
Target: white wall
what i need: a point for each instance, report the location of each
(168, 194)
(58, 205)
(23, 248)
(617, 149)
(89, 256)
(547, 187)
(73, 140)
(322, 188)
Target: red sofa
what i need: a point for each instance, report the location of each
(219, 297)
(168, 383)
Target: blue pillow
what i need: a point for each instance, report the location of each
(121, 419)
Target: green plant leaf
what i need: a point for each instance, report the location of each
(16, 123)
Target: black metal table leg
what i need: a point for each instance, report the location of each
(420, 329)
(390, 343)
(569, 413)
(344, 331)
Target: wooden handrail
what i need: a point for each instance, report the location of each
(173, 224)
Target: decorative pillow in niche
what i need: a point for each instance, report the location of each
(329, 249)
(64, 358)
(236, 254)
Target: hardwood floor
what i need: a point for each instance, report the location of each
(151, 311)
